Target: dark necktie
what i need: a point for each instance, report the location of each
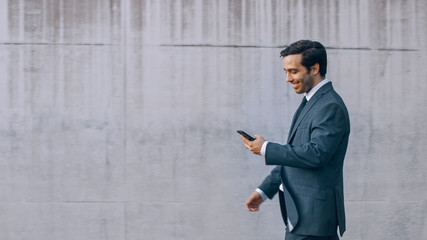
(301, 106)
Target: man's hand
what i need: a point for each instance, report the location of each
(252, 205)
(255, 145)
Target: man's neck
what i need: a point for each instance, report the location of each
(316, 87)
(318, 80)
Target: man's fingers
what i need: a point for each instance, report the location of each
(247, 143)
(254, 146)
(251, 208)
(252, 205)
(244, 139)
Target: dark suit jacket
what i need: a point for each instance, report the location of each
(310, 166)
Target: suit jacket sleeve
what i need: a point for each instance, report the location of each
(317, 139)
(270, 185)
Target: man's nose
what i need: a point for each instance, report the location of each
(288, 78)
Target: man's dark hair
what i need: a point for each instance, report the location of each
(312, 53)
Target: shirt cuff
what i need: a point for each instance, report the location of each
(261, 193)
(264, 148)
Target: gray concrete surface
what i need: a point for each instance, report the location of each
(118, 118)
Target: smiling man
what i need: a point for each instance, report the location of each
(308, 176)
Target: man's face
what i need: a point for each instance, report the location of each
(296, 74)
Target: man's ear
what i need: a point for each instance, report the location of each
(315, 69)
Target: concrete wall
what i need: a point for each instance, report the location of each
(118, 118)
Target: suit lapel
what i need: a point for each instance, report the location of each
(324, 89)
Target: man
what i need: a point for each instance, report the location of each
(309, 171)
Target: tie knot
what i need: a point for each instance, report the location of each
(304, 101)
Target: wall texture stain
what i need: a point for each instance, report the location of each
(118, 118)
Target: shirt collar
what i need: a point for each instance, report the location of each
(314, 90)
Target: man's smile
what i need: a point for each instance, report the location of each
(295, 85)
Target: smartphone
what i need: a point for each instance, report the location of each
(247, 136)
